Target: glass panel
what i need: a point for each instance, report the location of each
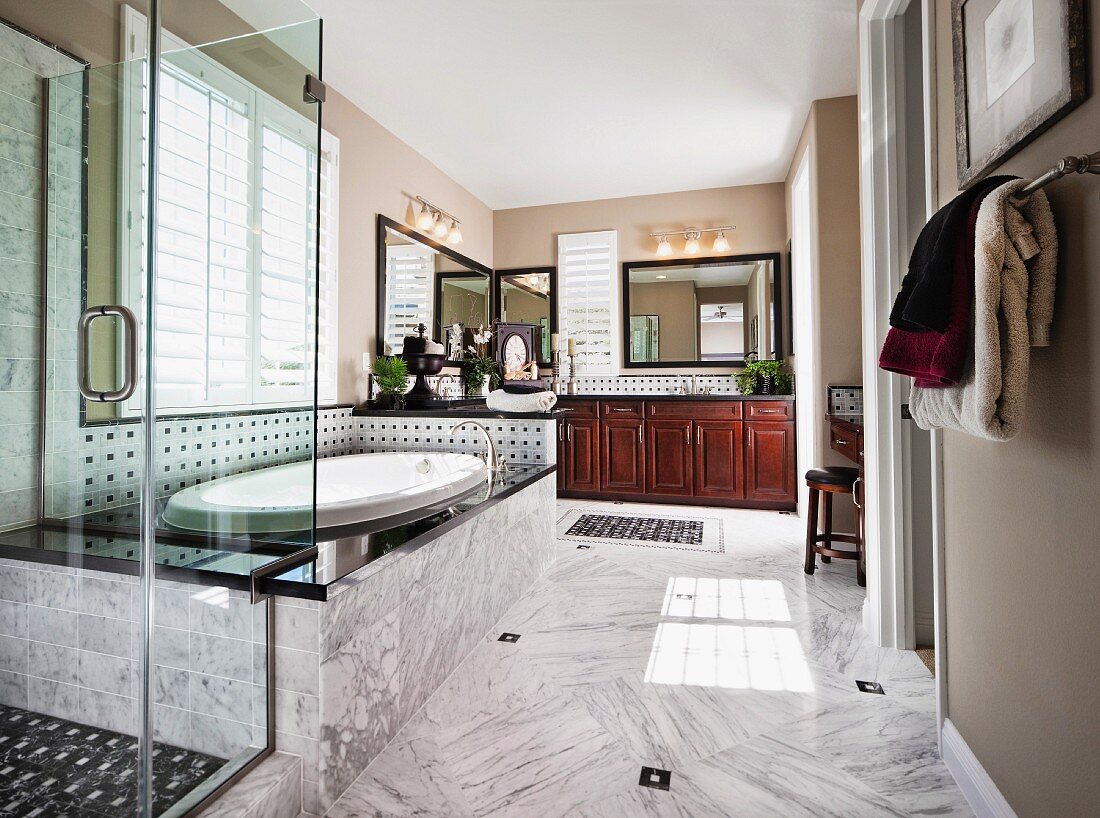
(236, 297)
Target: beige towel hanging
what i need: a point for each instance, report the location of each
(1016, 257)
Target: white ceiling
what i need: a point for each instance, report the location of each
(712, 275)
(528, 102)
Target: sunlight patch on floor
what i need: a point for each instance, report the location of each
(758, 600)
(745, 657)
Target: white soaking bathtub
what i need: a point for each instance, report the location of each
(350, 489)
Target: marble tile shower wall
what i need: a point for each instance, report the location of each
(70, 640)
(23, 64)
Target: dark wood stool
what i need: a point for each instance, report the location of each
(829, 481)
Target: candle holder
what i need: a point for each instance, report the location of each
(555, 372)
(571, 386)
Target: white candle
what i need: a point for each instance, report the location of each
(553, 342)
(572, 346)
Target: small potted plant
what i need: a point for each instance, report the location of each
(391, 373)
(479, 370)
(765, 378)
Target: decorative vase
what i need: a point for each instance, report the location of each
(767, 384)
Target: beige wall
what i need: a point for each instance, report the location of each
(528, 236)
(1022, 573)
(378, 174)
(831, 134)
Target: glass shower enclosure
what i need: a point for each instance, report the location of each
(159, 271)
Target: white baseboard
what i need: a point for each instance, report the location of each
(984, 797)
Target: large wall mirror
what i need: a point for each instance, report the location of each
(528, 295)
(701, 312)
(421, 281)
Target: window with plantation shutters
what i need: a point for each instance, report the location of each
(241, 281)
(588, 299)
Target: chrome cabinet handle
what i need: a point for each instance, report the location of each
(687, 435)
(130, 362)
(840, 442)
(619, 409)
(698, 435)
(640, 440)
(569, 431)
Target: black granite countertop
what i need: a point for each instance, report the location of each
(473, 408)
(289, 564)
(675, 397)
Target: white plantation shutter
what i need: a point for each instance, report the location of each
(203, 243)
(237, 260)
(588, 298)
(410, 272)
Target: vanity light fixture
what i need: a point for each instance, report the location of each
(438, 222)
(692, 236)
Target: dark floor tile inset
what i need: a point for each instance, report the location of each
(583, 547)
(870, 687)
(655, 778)
(58, 768)
(508, 637)
(649, 529)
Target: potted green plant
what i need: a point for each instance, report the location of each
(391, 373)
(479, 371)
(765, 378)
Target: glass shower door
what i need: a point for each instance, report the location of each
(180, 348)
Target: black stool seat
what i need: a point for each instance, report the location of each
(833, 476)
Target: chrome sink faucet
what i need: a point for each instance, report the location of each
(494, 464)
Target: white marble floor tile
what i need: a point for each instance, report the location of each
(890, 748)
(545, 760)
(734, 671)
(408, 779)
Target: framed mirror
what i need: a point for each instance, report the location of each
(528, 295)
(715, 311)
(421, 281)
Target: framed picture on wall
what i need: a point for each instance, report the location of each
(1019, 67)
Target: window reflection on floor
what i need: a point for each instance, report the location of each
(759, 600)
(708, 654)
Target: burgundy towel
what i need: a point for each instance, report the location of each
(938, 359)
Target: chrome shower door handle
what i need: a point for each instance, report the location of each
(130, 353)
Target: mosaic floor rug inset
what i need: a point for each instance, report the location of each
(589, 526)
(54, 767)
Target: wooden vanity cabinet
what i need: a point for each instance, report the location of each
(770, 462)
(731, 453)
(669, 469)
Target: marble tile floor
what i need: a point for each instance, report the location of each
(734, 671)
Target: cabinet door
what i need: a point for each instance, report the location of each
(719, 460)
(622, 452)
(769, 462)
(668, 457)
(582, 456)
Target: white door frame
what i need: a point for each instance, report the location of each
(888, 612)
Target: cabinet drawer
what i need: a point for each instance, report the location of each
(777, 410)
(845, 440)
(621, 409)
(693, 410)
(579, 408)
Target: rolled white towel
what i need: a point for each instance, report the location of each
(432, 348)
(501, 401)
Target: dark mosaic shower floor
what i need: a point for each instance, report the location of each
(53, 768)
